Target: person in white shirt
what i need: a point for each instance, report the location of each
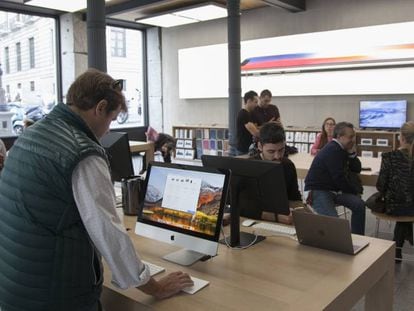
(59, 210)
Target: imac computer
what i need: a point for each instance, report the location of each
(184, 206)
(255, 186)
(382, 114)
(116, 145)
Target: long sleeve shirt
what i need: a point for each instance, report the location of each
(317, 145)
(329, 169)
(95, 198)
(396, 182)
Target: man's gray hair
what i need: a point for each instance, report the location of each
(340, 128)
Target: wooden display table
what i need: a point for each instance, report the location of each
(276, 274)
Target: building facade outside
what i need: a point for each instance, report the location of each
(29, 65)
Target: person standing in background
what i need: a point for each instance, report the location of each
(265, 111)
(246, 129)
(325, 136)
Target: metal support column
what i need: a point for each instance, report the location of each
(233, 34)
(95, 21)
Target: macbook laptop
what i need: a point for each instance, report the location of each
(326, 232)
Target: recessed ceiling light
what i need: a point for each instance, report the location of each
(61, 5)
(184, 16)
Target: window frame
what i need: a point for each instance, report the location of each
(42, 12)
(7, 59)
(32, 57)
(120, 37)
(135, 26)
(18, 48)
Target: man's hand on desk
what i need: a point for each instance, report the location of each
(168, 285)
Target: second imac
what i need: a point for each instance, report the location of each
(255, 186)
(116, 145)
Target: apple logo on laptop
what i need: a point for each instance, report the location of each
(321, 232)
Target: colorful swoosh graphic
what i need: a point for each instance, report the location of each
(380, 56)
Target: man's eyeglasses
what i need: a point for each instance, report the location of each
(118, 85)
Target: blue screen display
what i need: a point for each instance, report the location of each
(390, 114)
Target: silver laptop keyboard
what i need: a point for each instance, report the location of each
(275, 228)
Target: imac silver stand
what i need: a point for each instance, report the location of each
(184, 257)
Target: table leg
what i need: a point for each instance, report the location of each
(381, 294)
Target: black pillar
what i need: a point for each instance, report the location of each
(95, 21)
(233, 39)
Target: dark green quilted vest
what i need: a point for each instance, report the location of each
(47, 261)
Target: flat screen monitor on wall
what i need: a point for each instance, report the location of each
(382, 114)
(184, 206)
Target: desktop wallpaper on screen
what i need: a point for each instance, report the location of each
(184, 199)
(382, 114)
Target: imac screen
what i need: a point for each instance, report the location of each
(389, 114)
(185, 199)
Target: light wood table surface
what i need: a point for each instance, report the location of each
(143, 146)
(276, 274)
(303, 162)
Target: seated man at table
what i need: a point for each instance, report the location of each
(271, 147)
(328, 178)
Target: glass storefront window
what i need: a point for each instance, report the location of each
(125, 61)
(28, 68)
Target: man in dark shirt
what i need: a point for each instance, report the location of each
(328, 177)
(271, 145)
(265, 111)
(246, 130)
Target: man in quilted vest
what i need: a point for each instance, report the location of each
(57, 207)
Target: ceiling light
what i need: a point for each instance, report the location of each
(186, 16)
(65, 5)
(166, 20)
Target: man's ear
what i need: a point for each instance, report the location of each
(259, 146)
(100, 108)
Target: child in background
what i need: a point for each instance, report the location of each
(164, 145)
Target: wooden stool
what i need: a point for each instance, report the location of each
(381, 216)
(344, 212)
(390, 218)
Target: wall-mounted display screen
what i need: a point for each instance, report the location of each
(339, 62)
(389, 114)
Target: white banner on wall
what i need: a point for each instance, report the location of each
(308, 64)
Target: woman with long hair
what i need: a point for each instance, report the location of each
(396, 184)
(325, 136)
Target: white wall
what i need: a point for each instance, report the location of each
(320, 15)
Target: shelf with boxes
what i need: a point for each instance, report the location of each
(192, 141)
(301, 138)
(374, 143)
(369, 143)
